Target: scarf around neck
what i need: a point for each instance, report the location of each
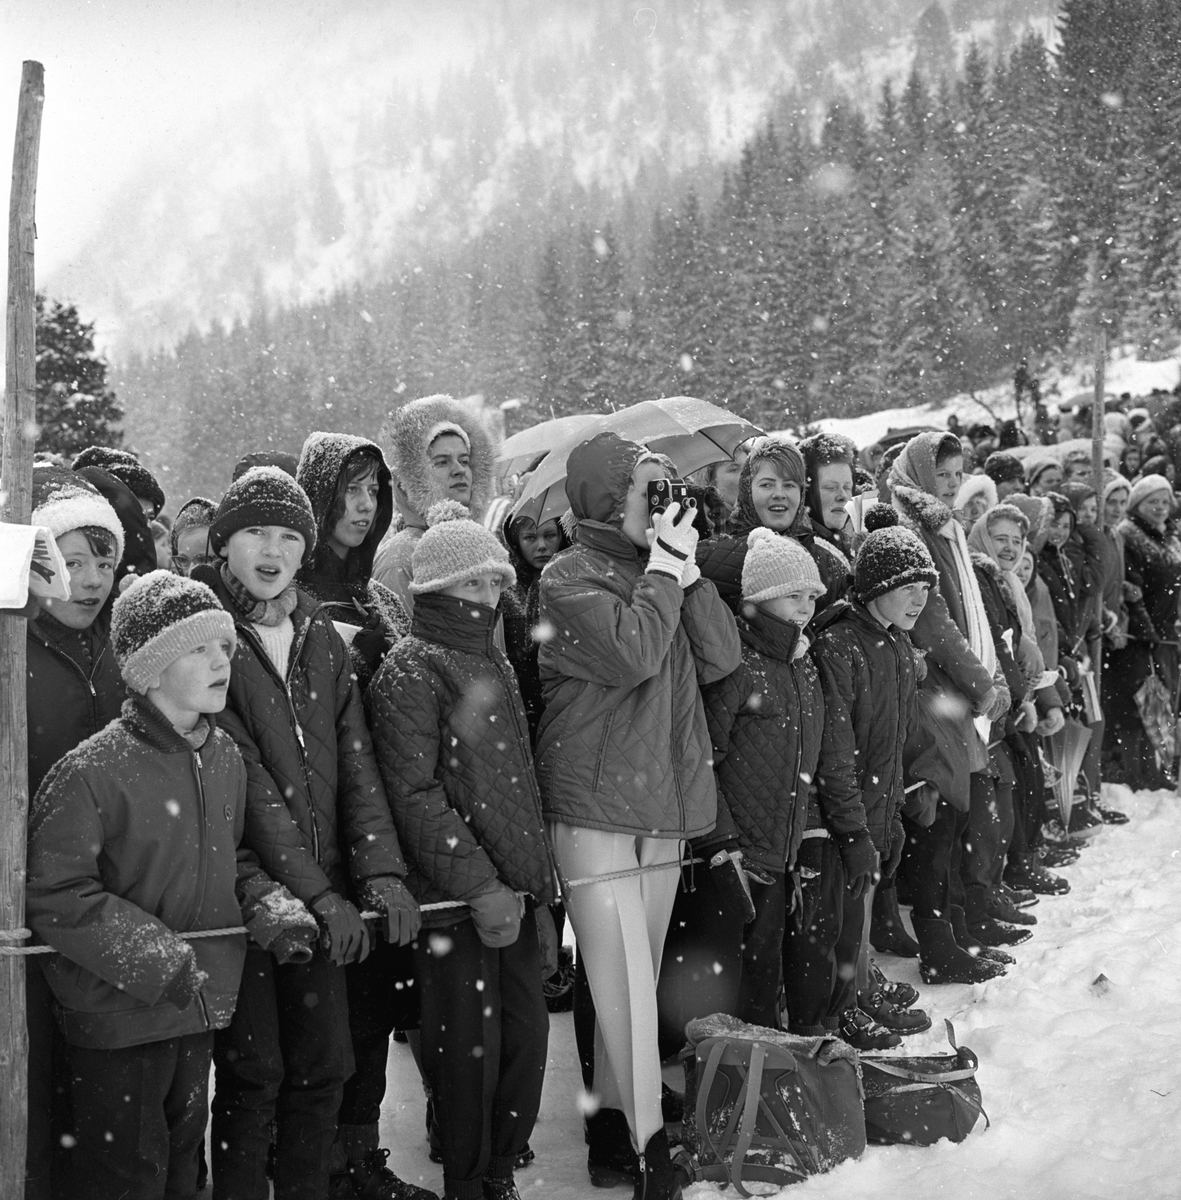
(258, 612)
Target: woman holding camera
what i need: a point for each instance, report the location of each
(623, 762)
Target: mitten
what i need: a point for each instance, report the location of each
(897, 845)
(185, 986)
(342, 932)
(389, 896)
(497, 916)
(860, 859)
(1051, 723)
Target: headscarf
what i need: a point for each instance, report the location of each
(788, 462)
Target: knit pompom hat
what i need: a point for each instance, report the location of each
(264, 496)
(1145, 486)
(891, 558)
(776, 566)
(455, 548)
(160, 617)
(63, 501)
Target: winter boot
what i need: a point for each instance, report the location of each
(998, 906)
(1027, 871)
(862, 1032)
(659, 1179)
(943, 961)
(500, 1189)
(611, 1160)
(887, 934)
(890, 1016)
(1018, 897)
(986, 930)
(974, 946)
(898, 993)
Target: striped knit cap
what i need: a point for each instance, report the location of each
(160, 617)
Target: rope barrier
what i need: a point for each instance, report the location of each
(19, 935)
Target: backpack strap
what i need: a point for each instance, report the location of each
(704, 1087)
(921, 1076)
(750, 1110)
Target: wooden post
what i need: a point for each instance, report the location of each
(16, 494)
(1098, 432)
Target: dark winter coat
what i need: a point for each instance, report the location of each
(721, 558)
(623, 744)
(74, 688)
(868, 676)
(765, 722)
(1005, 625)
(452, 743)
(1058, 573)
(407, 436)
(317, 812)
(343, 585)
(135, 836)
(943, 748)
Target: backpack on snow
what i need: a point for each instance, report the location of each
(765, 1106)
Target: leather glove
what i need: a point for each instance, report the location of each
(497, 915)
(727, 875)
(758, 874)
(390, 897)
(547, 939)
(294, 945)
(185, 986)
(342, 932)
(1051, 723)
(897, 845)
(674, 542)
(371, 643)
(861, 861)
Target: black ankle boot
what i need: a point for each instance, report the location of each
(944, 961)
(610, 1160)
(659, 1179)
(887, 934)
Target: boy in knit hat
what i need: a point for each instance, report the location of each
(452, 742)
(135, 840)
(854, 835)
(765, 724)
(318, 819)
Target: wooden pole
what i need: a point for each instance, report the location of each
(1098, 432)
(16, 495)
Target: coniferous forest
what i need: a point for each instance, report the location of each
(869, 259)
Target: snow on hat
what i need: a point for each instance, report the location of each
(126, 467)
(455, 548)
(776, 566)
(193, 514)
(264, 496)
(63, 501)
(266, 458)
(1002, 467)
(1115, 482)
(1035, 464)
(973, 486)
(889, 558)
(1146, 486)
(160, 617)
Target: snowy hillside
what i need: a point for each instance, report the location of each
(402, 129)
(1079, 1048)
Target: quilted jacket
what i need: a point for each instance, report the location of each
(316, 808)
(133, 837)
(74, 689)
(765, 721)
(868, 676)
(452, 743)
(623, 744)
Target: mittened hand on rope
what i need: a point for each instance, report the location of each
(497, 914)
(389, 896)
(185, 986)
(294, 944)
(897, 845)
(342, 932)
(861, 861)
(727, 875)
(674, 542)
(1051, 723)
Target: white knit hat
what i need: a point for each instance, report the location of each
(776, 565)
(1145, 486)
(63, 501)
(455, 548)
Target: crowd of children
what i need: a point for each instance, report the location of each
(327, 779)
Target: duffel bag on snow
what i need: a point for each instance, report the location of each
(767, 1107)
(917, 1101)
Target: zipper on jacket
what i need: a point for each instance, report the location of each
(799, 752)
(284, 682)
(203, 854)
(86, 679)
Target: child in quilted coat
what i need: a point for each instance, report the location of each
(452, 743)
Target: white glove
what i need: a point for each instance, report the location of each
(674, 543)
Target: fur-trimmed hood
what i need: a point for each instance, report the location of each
(407, 436)
(920, 508)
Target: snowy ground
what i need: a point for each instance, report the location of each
(1082, 1080)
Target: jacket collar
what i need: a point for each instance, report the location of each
(607, 539)
(454, 623)
(150, 725)
(921, 508)
(768, 635)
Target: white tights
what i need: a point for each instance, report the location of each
(620, 926)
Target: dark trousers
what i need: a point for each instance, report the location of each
(820, 949)
(990, 830)
(382, 997)
(46, 1159)
(139, 1117)
(485, 1033)
(281, 1069)
(762, 955)
(1028, 793)
(932, 861)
